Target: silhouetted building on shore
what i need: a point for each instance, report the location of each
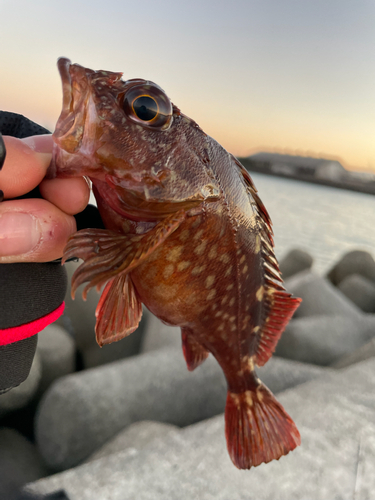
(317, 170)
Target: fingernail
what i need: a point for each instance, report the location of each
(40, 143)
(2, 152)
(19, 233)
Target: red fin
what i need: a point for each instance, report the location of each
(279, 308)
(257, 428)
(106, 254)
(194, 352)
(118, 312)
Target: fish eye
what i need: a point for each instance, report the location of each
(148, 105)
(145, 107)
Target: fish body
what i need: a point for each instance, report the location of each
(186, 235)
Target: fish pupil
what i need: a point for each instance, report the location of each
(145, 108)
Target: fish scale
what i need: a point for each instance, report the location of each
(186, 234)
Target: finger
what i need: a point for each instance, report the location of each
(33, 230)
(24, 168)
(69, 195)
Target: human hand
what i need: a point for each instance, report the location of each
(36, 229)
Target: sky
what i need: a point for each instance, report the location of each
(294, 76)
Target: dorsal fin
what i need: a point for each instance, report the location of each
(279, 305)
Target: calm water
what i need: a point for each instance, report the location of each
(327, 222)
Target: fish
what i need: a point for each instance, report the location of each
(186, 234)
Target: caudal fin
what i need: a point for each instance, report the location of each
(257, 428)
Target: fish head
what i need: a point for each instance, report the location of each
(145, 158)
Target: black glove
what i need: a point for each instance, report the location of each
(32, 294)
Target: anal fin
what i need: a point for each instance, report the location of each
(194, 352)
(257, 428)
(118, 312)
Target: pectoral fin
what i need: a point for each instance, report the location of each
(107, 254)
(119, 310)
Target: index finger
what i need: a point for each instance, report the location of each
(25, 165)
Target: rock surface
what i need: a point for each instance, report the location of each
(158, 335)
(56, 350)
(84, 410)
(295, 262)
(23, 394)
(20, 463)
(319, 297)
(322, 340)
(336, 418)
(355, 262)
(365, 352)
(137, 436)
(359, 290)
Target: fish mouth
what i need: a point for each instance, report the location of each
(69, 127)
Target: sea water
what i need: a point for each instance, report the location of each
(327, 222)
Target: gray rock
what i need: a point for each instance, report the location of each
(359, 290)
(295, 262)
(355, 262)
(136, 436)
(79, 320)
(366, 351)
(20, 396)
(56, 351)
(319, 296)
(321, 340)
(82, 411)
(20, 463)
(335, 416)
(280, 374)
(158, 335)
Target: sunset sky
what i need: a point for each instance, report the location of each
(277, 75)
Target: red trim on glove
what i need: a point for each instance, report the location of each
(16, 333)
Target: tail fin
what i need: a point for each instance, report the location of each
(257, 428)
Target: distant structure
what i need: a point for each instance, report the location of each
(317, 170)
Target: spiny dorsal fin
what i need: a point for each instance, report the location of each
(279, 305)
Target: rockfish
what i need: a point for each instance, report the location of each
(187, 235)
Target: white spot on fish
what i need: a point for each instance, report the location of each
(183, 265)
(224, 258)
(260, 293)
(213, 252)
(209, 281)
(229, 287)
(175, 253)
(198, 234)
(232, 301)
(168, 271)
(242, 259)
(244, 269)
(224, 300)
(211, 294)
(184, 235)
(257, 243)
(197, 270)
(201, 248)
(228, 271)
